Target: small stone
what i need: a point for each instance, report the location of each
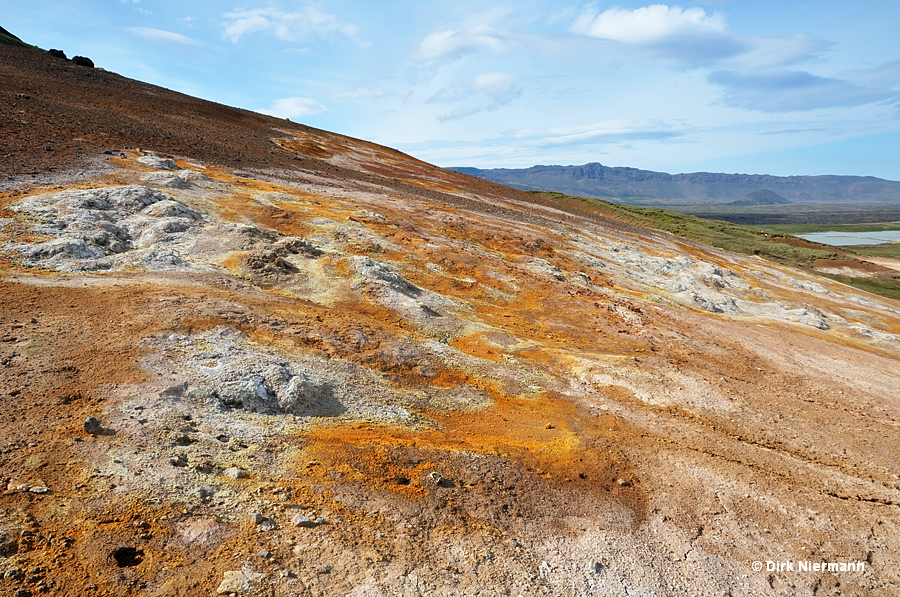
(12, 573)
(303, 521)
(22, 593)
(38, 489)
(623, 482)
(255, 517)
(263, 553)
(239, 581)
(436, 478)
(34, 320)
(265, 525)
(235, 473)
(91, 426)
(548, 426)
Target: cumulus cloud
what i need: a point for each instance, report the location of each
(294, 107)
(286, 26)
(792, 91)
(692, 36)
(159, 35)
(650, 24)
(451, 43)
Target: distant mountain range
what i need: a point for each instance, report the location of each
(630, 184)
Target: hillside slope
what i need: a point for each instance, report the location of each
(597, 180)
(322, 367)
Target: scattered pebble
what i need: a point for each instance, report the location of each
(38, 489)
(255, 517)
(263, 553)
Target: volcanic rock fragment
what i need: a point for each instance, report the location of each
(91, 426)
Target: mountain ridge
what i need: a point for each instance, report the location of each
(596, 180)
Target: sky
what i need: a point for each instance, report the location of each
(759, 87)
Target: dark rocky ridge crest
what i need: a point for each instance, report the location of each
(597, 180)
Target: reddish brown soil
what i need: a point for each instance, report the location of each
(666, 448)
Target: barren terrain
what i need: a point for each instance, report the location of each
(322, 367)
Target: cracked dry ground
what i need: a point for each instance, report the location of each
(352, 373)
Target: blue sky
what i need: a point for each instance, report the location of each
(759, 87)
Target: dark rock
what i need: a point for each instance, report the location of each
(57, 54)
(127, 557)
(91, 425)
(83, 61)
(9, 546)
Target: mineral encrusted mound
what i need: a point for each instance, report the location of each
(93, 229)
(223, 370)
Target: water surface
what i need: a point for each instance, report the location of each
(840, 239)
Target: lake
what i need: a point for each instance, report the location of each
(840, 239)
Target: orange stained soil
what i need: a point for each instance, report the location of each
(556, 442)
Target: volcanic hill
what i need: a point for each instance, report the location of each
(322, 367)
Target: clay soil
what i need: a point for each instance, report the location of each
(525, 398)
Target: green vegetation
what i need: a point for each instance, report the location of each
(11, 40)
(888, 288)
(768, 242)
(37, 345)
(808, 228)
(716, 233)
(889, 250)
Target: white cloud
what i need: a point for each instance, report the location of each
(794, 91)
(486, 92)
(647, 25)
(159, 35)
(496, 85)
(353, 93)
(294, 107)
(615, 130)
(287, 26)
(692, 36)
(448, 43)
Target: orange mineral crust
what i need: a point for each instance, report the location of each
(318, 366)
